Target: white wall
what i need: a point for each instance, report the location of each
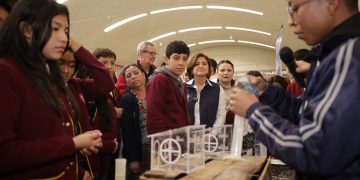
(244, 58)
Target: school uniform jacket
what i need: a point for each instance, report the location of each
(325, 143)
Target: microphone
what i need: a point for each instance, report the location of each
(287, 57)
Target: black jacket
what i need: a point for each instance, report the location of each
(130, 128)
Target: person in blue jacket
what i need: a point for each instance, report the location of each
(320, 140)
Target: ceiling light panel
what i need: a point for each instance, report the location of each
(255, 43)
(122, 22)
(216, 41)
(175, 9)
(199, 28)
(235, 9)
(162, 36)
(250, 30)
(61, 1)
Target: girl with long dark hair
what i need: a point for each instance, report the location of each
(38, 138)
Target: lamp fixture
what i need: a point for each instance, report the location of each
(216, 41)
(235, 9)
(255, 43)
(250, 30)
(122, 22)
(175, 9)
(162, 36)
(199, 28)
(61, 1)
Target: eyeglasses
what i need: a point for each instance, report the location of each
(294, 8)
(151, 53)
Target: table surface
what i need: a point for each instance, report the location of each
(242, 169)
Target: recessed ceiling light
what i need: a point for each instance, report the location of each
(235, 9)
(199, 28)
(216, 41)
(191, 45)
(61, 1)
(162, 36)
(255, 43)
(175, 9)
(122, 22)
(250, 30)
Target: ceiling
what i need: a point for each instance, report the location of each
(89, 18)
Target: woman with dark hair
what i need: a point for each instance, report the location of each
(206, 99)
(133, 123)
(278, 81)
(37, 132)
(225, 70)
(85, 90)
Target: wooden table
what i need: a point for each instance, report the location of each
(242, 169)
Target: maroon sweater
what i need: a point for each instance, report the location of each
(88, 90)
(102, 160)
(34, 141)
(166, 107)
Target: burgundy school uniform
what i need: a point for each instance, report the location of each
(86, 90)
(34, 141)
(166, 106)
(102, 160)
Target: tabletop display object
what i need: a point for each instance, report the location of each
(217, 142)
(179, 150)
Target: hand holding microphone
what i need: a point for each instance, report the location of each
(287, 56)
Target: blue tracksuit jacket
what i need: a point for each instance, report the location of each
(321, 138)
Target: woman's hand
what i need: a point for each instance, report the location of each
(119, 112)
(88, 142)
(74, 45)
(116, 145)
(302, 67)
(87, 176)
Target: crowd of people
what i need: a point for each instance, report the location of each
(65, 114)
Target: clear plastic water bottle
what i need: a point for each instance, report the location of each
(247, 86)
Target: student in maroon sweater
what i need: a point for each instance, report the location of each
(87, 90)
(37, 134)
(103, 116)
(108, 122)
(166, 93)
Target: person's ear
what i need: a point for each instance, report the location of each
(333, 5)
(166, 60)
(26, 29)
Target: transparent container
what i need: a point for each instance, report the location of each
(178, 150)
(217, 142)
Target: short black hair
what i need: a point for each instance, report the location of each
(104, 52)
(213, 64)
(255, 73)
(178, 47)
(352, 4)
(225, 61)
(6, 6)
(279, 80)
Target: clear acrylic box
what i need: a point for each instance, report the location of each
(178, 150)
(217, 142)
